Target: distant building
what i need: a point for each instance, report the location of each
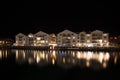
(6, 42)
(65, 38)
(21, 40)
(113, 40)
(94, 39)
(52, 40)
(38, 39)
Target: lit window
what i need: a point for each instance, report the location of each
(38, 38)
(73, 37)
(88, 40)
(30, 35)
(105, 41)
(88, 34)
(68, 37)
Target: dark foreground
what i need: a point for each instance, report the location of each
(12, 71)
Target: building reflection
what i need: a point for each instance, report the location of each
(64, 59)
(3, 54)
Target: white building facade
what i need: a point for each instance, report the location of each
(65, 38)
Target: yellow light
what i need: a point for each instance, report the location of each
(115, 60)
(101, 57)
(0, 54)
(38, 38)
(107, 56)
(30, 60)
(88, 34)
(38, 59)
(87, 63)
(16, 54)
(104, 64)
(53, 61)
(30, 35)
(63, 60)
(88, 41)
(78, 55)
(73, 54)
(68, 37)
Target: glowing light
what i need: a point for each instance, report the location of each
(46, 57)
(23, 55)
(73, 54)
(101, 57)
(42, 41)
(38, 59)
(63, 60)
(104, 34)
(89, 45)
(30, 35)
(105, 41)
(16, 54)
(53, 61)
(68, 37)
(87, 63)
(42, 55)
(89, 55)
(54, 53)
(104, 64)
(0, 54)
(30, 60)
(88, 35)
(115, 60)
(73, 37)
(38, 38)
(78, 55)
(88, 41)
(46, 41)
(107, 56)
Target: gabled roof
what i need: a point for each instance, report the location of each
(83, 32)
(40, 32)
(97, 31)
(66, 31)
(20, 34)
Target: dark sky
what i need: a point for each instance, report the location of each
(53, 17)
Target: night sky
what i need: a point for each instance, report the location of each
(53, 17)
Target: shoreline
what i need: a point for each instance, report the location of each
(62, 48)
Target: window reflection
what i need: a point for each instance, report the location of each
(65, 59)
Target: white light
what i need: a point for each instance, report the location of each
(88, 34)
(101, 57)
(38, 59)
(78, 55)
(73, 37)
(68, 37)
(88, 41)
(53, 61)
(30, 35)
(38, 38)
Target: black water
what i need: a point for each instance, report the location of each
(19, 65)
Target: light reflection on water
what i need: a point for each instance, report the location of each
(65, 59)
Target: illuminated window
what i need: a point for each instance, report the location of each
(38, 38)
